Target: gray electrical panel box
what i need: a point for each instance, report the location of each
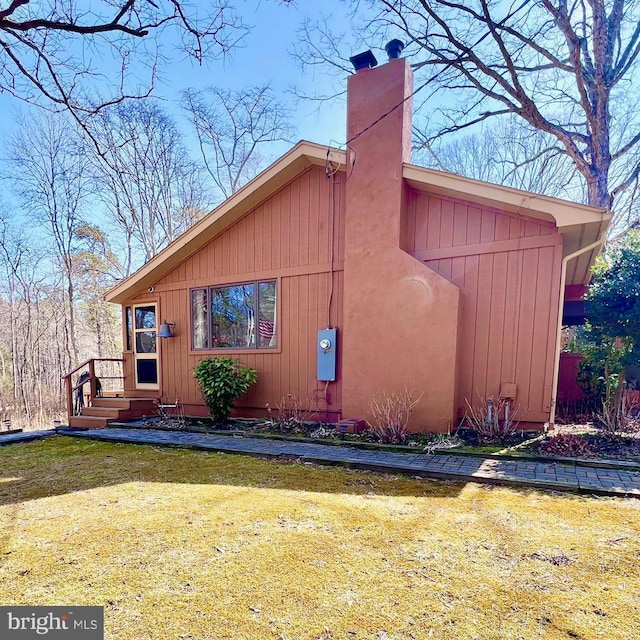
(327, 343)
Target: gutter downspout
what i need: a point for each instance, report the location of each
(556, 363)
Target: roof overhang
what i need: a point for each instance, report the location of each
(579, 224)
(265, 184)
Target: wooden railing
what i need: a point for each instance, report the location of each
(70, 389)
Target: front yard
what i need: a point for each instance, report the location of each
(180, 544)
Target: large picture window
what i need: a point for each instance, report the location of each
(240, 316)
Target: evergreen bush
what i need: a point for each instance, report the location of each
(222, 381)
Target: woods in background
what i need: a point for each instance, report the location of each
(82, 217)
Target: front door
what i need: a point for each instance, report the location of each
(145, 346)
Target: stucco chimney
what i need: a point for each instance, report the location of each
(400, 318)
(379, 107)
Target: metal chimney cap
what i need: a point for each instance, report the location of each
(364, 60)
(394, 49)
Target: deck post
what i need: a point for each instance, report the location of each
(69, 394)
(92, 381)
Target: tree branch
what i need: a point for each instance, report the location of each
(40, 56)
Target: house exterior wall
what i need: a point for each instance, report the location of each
(508, 269)
(429, 293)
(287, 237)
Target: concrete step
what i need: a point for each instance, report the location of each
(89, 422)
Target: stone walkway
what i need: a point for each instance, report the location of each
(594, 477)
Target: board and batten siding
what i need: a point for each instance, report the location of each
(508, 268)
(287, 238)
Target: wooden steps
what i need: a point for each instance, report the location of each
(148, 404)
(106, 410)
(88, 422)
(103, 412)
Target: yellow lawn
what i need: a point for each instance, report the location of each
(186, 545)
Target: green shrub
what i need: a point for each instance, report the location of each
(222, 381)
(567, 445)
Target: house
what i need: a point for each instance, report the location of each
(342, 275)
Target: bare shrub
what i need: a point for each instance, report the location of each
(618, 416)
(291, 413)
(567, 445)
(484, 418)
(390, 415)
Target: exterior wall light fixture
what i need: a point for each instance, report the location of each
(166, 329)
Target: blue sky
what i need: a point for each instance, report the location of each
(264, 56)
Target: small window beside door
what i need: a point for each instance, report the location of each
(128, 344)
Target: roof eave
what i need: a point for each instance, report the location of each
(579, 224)
(562, 212)
(277, 175)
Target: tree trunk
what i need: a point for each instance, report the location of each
(598, 188)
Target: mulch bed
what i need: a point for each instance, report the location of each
(626, 448)
(622, 448)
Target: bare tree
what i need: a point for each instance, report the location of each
(34, 326)
(49, 175)
(32, 329)
(505, 152)
(565, 69)
(152, 190)
(67, 53)
(96, 264)
(232, 128)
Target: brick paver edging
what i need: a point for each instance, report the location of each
(584, 462)
(541, 475)
(22, 436)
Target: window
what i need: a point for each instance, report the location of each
(129, 323)
(241, 316)
(145, 329)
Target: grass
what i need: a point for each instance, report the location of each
(482, 448)
(178, 544)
